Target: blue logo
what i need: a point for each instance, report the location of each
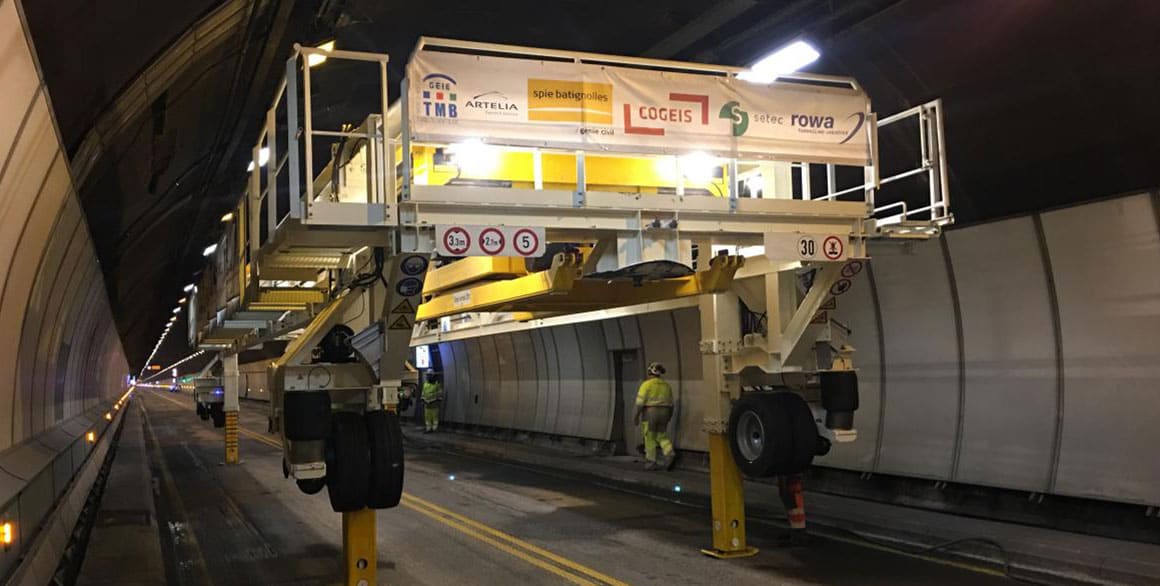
(439, 98)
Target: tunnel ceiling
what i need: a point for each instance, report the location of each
(1047, 102)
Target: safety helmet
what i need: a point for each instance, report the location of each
(656, 369)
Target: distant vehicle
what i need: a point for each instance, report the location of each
(175, 388)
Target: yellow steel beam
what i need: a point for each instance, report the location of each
(360, 560)
(541, 293)
(471, 270)
(556, 280)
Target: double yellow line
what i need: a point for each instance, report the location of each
(565, 568)
(532, 554)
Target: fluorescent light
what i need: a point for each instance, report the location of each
(697, 167)
(182, 300)
(228, 217)
(314, 60)
(473, 157)
(188, 288)
(787, 59)
(263, 158)
(209, 249)
(177, 310)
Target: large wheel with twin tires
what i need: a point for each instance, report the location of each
(347, 462)
(385, 440)
(772, 434)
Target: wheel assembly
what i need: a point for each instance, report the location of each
(218, 416)
(756, 429)
(385, 440)
(347, 462)
(311, 485)
(802, 436)
(202, 413)
(772, 434)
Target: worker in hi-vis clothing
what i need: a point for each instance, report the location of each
(654, 408)
(432, 397)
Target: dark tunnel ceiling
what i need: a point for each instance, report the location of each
(1048, 102)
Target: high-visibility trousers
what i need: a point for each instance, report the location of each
(652, 439)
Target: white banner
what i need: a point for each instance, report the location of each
(578, 106)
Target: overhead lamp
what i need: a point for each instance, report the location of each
(209, 249)
(263, 158)
(188, 288)
(177, 309)
(182, 300)
(473, 157)
(229, 216)
(697, 167)
(316, 60)
(787, 59)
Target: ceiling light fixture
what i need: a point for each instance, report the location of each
(316, 60)
(787, 59)
(209, 249)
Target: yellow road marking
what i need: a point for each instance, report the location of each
(498, 544)
(516, 541)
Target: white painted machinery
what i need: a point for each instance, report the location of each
(516, 185)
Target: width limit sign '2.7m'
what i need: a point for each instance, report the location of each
(458, 240)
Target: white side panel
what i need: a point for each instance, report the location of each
(596, 417)
(922, 395)
(509, 402)
(1009, 348)
(571, 381)
(692, 395)
(526, 359)
(1106, 260)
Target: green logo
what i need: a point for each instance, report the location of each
(737, 117)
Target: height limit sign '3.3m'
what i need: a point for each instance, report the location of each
(455, 240)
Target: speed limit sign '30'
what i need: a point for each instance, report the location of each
(459, 240)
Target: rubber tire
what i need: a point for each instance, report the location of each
(311, 485)
(803, 433)
(776, 449)
(202, 413)
(347, 462)
(385, 439)
(219, 417)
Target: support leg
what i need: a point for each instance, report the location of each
(728, 502)
(360, 558)
(230, 380)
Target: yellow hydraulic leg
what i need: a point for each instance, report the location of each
(728, 502)
(360, 557)
(231, 437)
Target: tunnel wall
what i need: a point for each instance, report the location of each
(60, 353)
(1017, 354)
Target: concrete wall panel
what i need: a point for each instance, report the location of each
(527, 357)
(571, 394)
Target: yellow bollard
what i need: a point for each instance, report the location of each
(360, 558)
(728, 498)
(231, 437)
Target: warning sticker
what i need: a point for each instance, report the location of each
(404, 306)
(820, 317)
(400, 323)
(840, 286)
(831, 303)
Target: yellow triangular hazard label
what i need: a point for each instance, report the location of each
(404, 306)
(400, 323)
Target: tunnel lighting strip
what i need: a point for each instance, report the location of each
(174, 365)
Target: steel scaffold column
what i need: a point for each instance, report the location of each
(230, 382)
(720, 334)
(360, 558)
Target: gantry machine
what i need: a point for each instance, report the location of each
(510, 183)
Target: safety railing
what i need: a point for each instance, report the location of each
(933, 209)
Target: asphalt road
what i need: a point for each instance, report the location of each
(463, 520)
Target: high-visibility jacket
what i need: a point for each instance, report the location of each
(654, 392)
(432, 392)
